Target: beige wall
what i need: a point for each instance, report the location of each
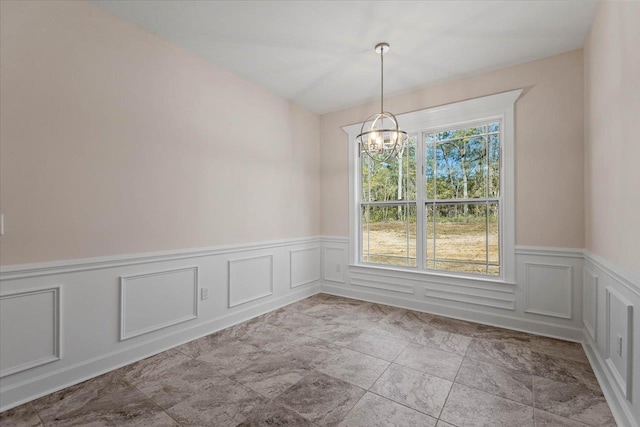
(612, 150)
(114, 141)
(549, 147)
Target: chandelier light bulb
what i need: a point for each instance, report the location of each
(373, 136)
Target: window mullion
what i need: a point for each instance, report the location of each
(487, 181)
(420, 207)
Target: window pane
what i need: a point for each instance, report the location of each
(474, 171)
(409, 167)
(392, 180)
(494, 165)
(494, 239)
(457, 238)
(430, 226)
(430, 170)
(457, 161)
(456, 133)
(389, 235)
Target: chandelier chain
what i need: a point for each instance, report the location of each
(381, 80)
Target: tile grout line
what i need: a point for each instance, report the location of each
(319, 372)
(147, 397)
(491, 362)
(453, 382)
(354, 405)
(533, 398)
(159, 407)
(402, 404)
(533, 387)
(488, 392)
(37, 414)
(368, 390)
(493, 394)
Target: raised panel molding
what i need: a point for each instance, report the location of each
(469, 295)
(548, 289)
(250, 279)
(30, 327)
(382, 282)
(153, 301)
(619, 356)
(304, 266)
(334, 264)
(590, 303)
(383, 286)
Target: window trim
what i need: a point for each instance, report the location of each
(499, 106)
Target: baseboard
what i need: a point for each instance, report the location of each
(36, 387)
(514, 323)
(620, 411)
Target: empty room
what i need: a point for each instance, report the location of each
(320, 213)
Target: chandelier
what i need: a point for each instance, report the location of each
(380, 136)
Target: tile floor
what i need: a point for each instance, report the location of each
(326, 361)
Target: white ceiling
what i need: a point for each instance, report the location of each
(320, 55)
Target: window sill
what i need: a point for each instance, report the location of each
(425, 275)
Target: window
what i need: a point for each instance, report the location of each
(389, 208)
(445, 204)
(462, 199)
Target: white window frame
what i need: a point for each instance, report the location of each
(499, 106)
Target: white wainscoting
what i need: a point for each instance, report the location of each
(521, 305)
(305, 266)
(613, 347)
(30, 329)
(117, 310)
(250, 279)
(156, 300)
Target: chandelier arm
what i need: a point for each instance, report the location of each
(368, 132)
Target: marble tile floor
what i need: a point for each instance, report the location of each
(327, 361)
